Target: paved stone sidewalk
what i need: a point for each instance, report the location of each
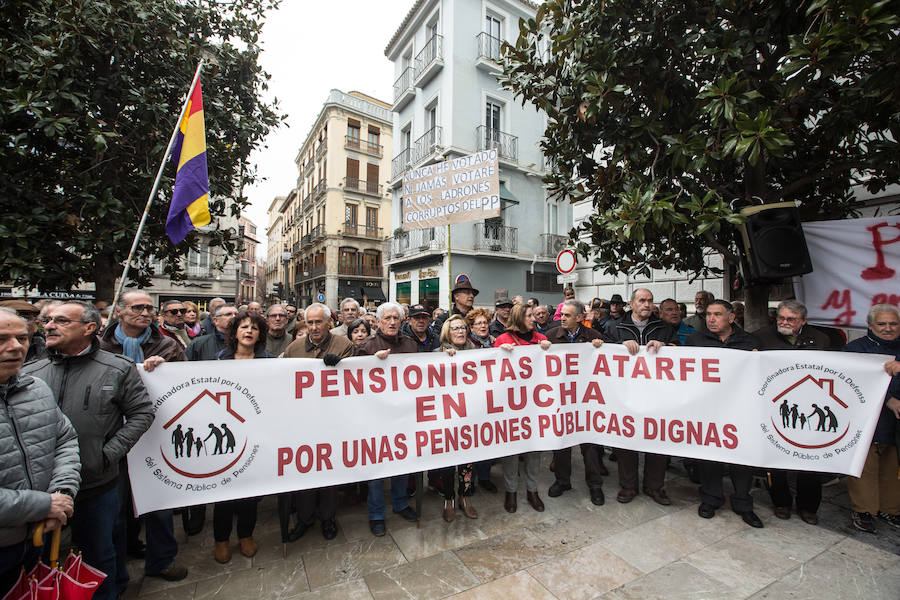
(573, 550)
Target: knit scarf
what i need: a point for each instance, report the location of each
(131, 346)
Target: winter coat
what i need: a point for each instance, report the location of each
(655, 330)
(871, 344)
(38, 455)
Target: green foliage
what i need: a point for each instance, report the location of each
(667, 115)
(89, 95)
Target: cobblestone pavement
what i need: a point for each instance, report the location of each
(573, 550)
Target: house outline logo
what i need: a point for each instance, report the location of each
(224, 438)
(796, 426)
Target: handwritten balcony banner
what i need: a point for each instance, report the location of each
(235, 429)
(856, 264)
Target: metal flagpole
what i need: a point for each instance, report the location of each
(449, 272)
(159, 172)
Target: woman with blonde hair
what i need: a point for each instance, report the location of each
(455, 337)
(520, 331)
(191, 319)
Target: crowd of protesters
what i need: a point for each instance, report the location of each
(74, 405)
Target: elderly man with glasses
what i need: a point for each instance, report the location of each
(277, 338)
(173, 312)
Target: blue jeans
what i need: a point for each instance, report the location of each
(376, 496)
(92, 532)
(13, 559)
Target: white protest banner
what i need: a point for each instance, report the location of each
(235, 429)
(856, 264)
(453, 191)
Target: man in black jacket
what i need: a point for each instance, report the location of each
(722, 332)
(573, 332)
(207, 347)
(638, 327)
(463, 295)
(790, 332)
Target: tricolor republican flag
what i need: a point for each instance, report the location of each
(190, 198)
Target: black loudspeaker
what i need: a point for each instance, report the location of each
(774, 243)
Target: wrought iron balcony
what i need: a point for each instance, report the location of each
(321, 149)
(506, 145)
(355, 143)
(401, 163)
(319, 190)
(363, 270)
(353, 184)
(307, 202)
(496, 238)
(429, 60)
(489, 47)
(428, 144)
(416, 241)
(295, 249)
(317, 233)
(551, 244)
(363, 231)
(308, 167)
(403, 88)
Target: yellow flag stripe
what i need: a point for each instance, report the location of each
(194, 141)
(198, 211)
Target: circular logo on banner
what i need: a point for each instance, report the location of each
(565, 261)
(809, 411)
(209, 434)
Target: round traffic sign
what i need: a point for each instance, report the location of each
(565, 261)
(320, 298)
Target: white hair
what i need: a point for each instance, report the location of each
(386, 306)
(881, 308)
(325, 310)
(346, 300)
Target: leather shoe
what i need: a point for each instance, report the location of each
(465, 504)
(783, 512)
(597, 497)
(625, 495)
(222, 553)
(751, 519)
(809, 517)
(408, 514)
(487, 485)
(329, 529)
(509, 503)
(449, 511)
(535, 501)
(377, 527)
(706, 511)
(297, 532)
(249, 548)
(556, 490)
(659, 496)
(177, 572)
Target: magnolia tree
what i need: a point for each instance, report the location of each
(670, 116)
(89, 95)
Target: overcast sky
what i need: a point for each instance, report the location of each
(309, 48)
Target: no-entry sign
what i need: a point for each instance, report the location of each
(565, 261)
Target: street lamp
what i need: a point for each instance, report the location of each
(286, 259)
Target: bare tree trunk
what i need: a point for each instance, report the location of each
(105, 273)
(756, 308)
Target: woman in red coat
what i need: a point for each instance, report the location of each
(520, 332)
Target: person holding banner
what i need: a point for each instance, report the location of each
(479, 323)
(791, 333)
(720, 331)
(520, 332)
(454, 338)
(638, 327)
(388, 340)
(246, 340)
(572, 331)
(319, 343)
(876, 492)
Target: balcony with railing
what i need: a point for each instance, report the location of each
(361, 270)
(489, 54)
(417, 241)
(364, 231)
(305, 273)
(307, 202)
(352, 184)
(427, 144)
(319, 190)
(552, 244)
(403, 89)
(317, 233)
(506, 144)
(295, 249)
(321, 149)
(429, 60)
(198, 271)
(308, 167)
(401, 163)
(496, 238)
(355, 143)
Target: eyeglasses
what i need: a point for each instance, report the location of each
(176, 311)
(457, 329)
(788, 319)
(139, 308)
(61, 320)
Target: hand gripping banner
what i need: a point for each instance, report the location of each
(236, 429)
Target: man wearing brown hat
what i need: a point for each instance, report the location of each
(463, 295)
(37, 347)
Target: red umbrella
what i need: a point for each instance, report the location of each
(76, 580)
